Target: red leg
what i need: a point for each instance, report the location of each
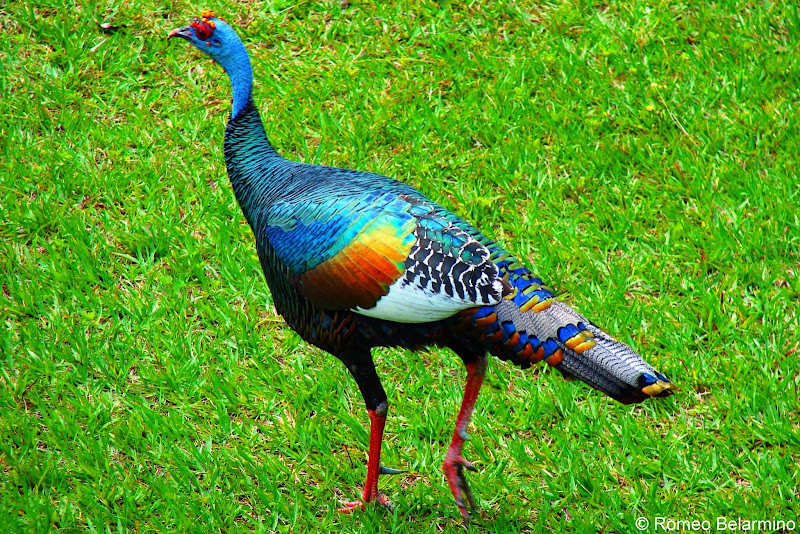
(362, 368)
(377, 420)
(454, 462)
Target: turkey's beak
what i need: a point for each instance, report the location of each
(184, 33)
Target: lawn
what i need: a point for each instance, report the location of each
(641, 157)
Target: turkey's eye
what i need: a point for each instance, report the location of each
(203, 28)
(203, 31)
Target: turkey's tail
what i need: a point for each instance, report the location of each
(530, 325)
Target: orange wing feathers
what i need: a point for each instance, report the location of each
(362, 271)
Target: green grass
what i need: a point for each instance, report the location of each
(643, 158)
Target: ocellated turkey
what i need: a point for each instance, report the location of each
(356, 260)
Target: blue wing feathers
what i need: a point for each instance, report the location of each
(304, 236)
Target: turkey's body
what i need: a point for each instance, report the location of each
(267, 186)
(356, 260)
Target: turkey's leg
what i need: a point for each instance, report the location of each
(363, 370)
(454, 462)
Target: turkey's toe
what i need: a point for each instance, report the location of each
(351, 506)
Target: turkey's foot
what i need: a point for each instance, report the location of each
(454, 473)
(351, 506)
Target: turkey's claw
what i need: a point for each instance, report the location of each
(454, 472)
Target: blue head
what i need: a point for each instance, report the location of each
(216, 39)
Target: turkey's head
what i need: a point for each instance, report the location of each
(212, 36)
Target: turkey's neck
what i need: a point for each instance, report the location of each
(237, 67)
(253, 165)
